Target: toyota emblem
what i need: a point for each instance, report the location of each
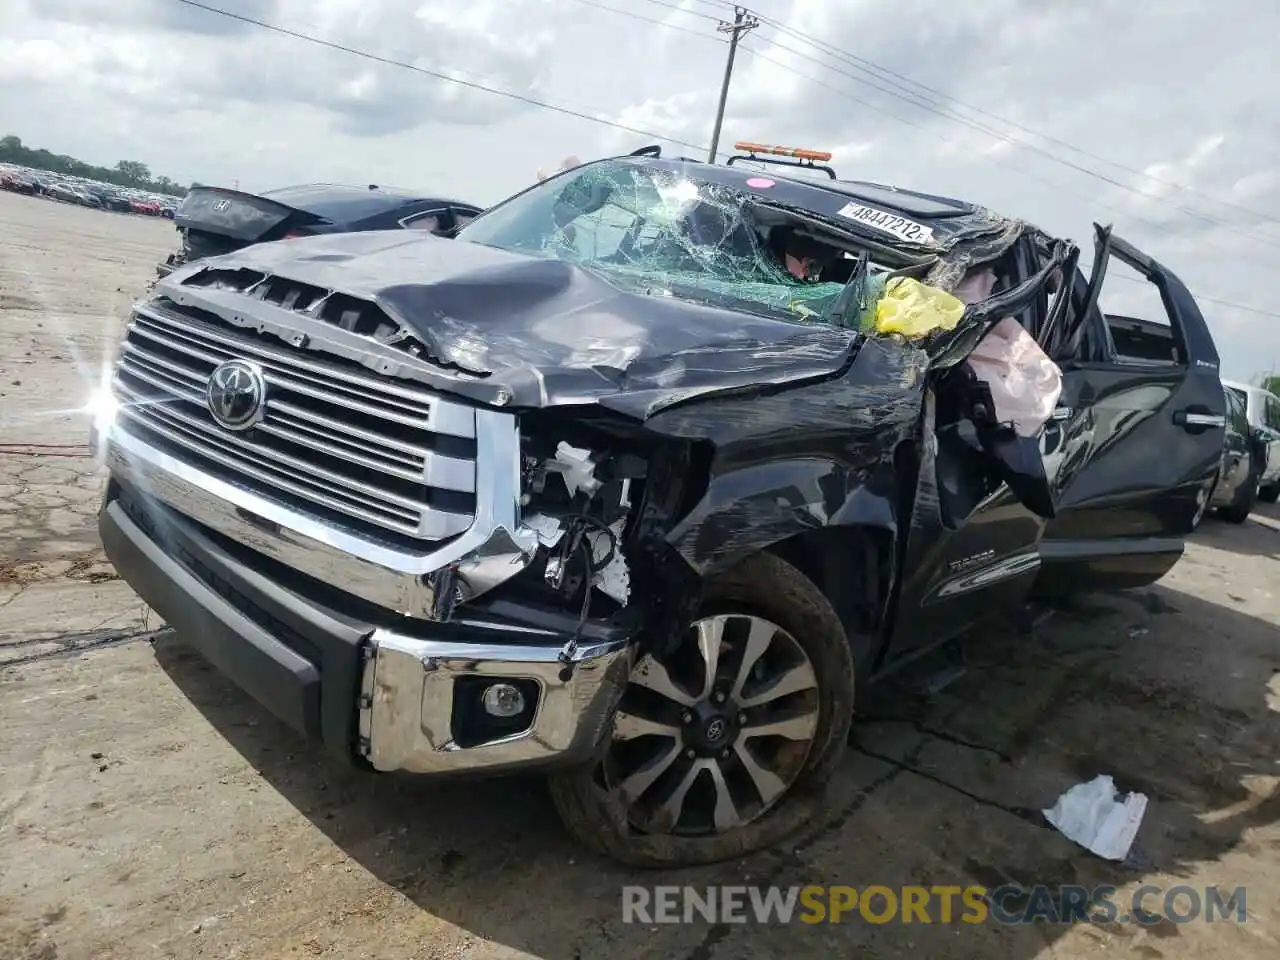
(236, 394)
(715, 730)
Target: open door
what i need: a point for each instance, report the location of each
(1125, 459)
(982, 496)
(1138, 433)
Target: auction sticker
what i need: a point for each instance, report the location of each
(900, 227)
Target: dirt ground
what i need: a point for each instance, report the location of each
(148, 809)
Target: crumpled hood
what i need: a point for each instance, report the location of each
(546, 332)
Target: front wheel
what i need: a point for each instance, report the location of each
(724, 746)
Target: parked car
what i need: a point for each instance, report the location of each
(111, 199)
(1233, 490)
(1262, 408)
(214, 220)
(64, 192)
(16, 181)
(612, 485)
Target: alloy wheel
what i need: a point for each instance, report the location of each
(710, 737)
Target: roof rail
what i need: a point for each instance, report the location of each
(655, 151)
(762, 153)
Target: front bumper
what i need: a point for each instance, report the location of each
(169, 264)
(399, 693)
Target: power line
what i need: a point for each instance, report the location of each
(938, 109)
(532, 101)
(692, 13)
(917, 101)
(933, 104)
(714, 4)
(1026, 173)
(653, 20)
(942, 110)
(1274, 242)
(1056, 186)
(1203, 299)
(1237, 306)
(470, 84)
(938, 95)
(877, 108)
(941, 138)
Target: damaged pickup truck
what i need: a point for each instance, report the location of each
(640, 478)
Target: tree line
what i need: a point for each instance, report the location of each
(126, 173)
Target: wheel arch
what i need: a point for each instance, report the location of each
(853, 568)
(837, 526)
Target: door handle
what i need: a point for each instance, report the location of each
(1061, 413)
(1190, 420)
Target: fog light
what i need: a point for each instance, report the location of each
(502, 700)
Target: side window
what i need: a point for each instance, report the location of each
(428, 221)
(435, 221)
(1130, 320)
(1138, 319)
(1236, 411)
(1272, 413)
(463, 216)
(1142, 341)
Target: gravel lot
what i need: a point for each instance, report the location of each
(148, 809)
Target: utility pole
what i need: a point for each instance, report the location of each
(742, 23)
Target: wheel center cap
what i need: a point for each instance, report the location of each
(715, 730)
(710, 730)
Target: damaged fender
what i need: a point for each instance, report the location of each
(811, 458)
(767, 485)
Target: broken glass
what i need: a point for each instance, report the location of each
(660, 233)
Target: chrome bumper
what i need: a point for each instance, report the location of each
(426, 584)
(408, 704)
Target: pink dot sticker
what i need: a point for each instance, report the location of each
(761, 183)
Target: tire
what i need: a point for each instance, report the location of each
(1241, 505)
(1269, 494)
(763, 588)
(1202, 510)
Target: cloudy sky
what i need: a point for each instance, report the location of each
(1161, 118)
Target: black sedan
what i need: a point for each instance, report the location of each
(1233, 490)
(214, 220)
(111, 199)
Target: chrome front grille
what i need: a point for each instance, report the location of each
(366, 452)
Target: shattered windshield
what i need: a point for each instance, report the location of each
(664, 233)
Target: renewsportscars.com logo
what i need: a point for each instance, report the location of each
(1010, 904)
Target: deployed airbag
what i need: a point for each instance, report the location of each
(1024, 383)
(913, 309)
